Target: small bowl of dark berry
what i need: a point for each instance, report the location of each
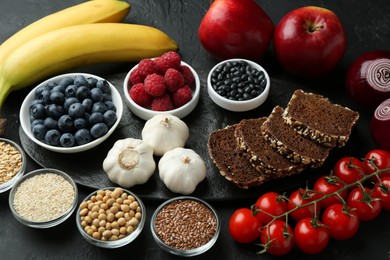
(71, 113)
(238, 85)
(161, 85)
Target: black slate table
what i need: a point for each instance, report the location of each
(368, 28)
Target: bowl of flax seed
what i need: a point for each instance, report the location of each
(185, 226)
(12, 164)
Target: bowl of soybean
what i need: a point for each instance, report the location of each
(43, 198)
(238, 85)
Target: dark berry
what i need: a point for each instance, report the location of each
(65, 123)
(98, 130)
(82, 136)
(52, 137)
(76, 110)
(39, 131)
(67, 140)
(109, 118)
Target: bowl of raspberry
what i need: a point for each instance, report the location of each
(161, 85)
(71, 113)
(238, 85)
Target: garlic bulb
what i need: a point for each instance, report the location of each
(165, 132)
(181, 170)
(129, 162)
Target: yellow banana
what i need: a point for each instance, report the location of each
(84, 13)
(77, 46)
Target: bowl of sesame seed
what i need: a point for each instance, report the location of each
(111, 217)
(12, 164)
(185, 226)
(43, 198)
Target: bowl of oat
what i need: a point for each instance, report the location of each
(12, 164)
(185, 226)
(43, 198)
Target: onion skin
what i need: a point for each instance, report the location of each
(380, 125)
(368, 79)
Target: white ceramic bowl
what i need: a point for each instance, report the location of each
(242, 105)
(146, 113)
(5, 186)
(112, 243)
(26, 124)
(53, 221)
(192, 251)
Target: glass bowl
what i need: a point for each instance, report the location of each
(43, 198)
(26, 123)
(238, 105)
(89, 221)
(14, 162)
(181, 216)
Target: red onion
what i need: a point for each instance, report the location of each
(380, 125)
(368, 78)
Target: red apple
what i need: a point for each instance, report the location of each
(235, 29)
(309, 41)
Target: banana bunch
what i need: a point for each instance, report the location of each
(88, 33)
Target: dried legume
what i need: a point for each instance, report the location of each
(118, 214)
(185, 224)
(10, 162)
(43, 197)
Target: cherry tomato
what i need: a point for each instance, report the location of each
(380, 158)
(302, 197)
(279, 236)
(349, 169)
(343, 224)
(382, 191)
(272, 203)
(243, 226)
(327, 185)
(311, 238)
(367, 208)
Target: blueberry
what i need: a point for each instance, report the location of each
(83, 92)
(65, 82)
(52, 137)
(82, 136)
(109, 118)
(36, 101)
(45, 96)
(98, 130)
(39, 90)
(69, 101)
(110, 105)
(38, 111)
(79, 123)
(87, 103)
(51, 85)
(80, 80)
(67, 140)
(103, 85)
(59, 88)
(92, 82)
(70, 91)
(96, 95)
(50, 123)
(39, 131)
(55, 111)
(65, 123)
(36, 122)
(99, 107)
(107, 97)
(95, 118)
(57, 97)
(76, 110)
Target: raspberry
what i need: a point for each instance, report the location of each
(155, 85)
(181, 96)
(136, 77)
(147, 67)
(173, 79)
(139, 95)
(168, 60)
(189, 78)
(162, 103)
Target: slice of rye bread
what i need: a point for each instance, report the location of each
(286, 141)
(315, 117)
(258, 151)
(230, 161)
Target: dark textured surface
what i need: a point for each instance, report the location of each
(367, 26)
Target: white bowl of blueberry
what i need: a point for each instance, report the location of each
(71, 113)
(238, 85)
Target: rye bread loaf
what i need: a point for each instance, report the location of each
(315, 117)
(258, 151)
(230, 161)
(286, 141)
